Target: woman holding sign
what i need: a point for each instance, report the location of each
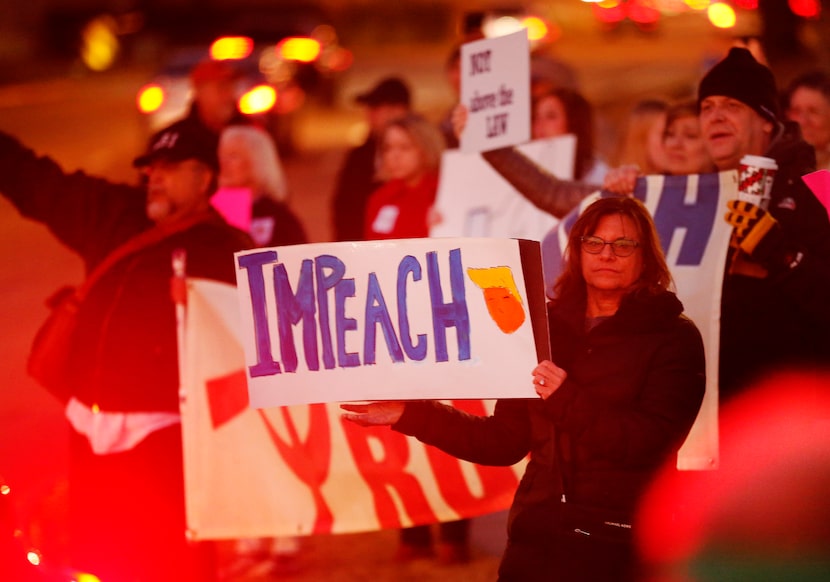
(616, 400)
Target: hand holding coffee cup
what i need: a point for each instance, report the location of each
(755, 177)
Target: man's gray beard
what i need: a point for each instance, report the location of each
(159, 209)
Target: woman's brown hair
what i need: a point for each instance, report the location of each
(655, 277)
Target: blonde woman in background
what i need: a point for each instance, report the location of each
(684, 147)
(642, 140)
(410, 156)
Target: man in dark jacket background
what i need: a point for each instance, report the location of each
(358, 178)
(126, 485)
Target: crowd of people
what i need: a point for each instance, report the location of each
(626, 376)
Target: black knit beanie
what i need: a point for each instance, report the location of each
(741, 77)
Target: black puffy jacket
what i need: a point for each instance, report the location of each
(634, 387)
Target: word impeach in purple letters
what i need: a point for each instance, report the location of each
(308, 306)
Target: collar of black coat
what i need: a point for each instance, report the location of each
(639, 312)
(793, 154)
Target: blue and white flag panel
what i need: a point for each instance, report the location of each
(688, 213)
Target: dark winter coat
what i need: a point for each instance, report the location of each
(124, 351)
(634, 387)
(274, 224)
(355, 183)
(783, 319)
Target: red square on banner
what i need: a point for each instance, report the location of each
(227, 397)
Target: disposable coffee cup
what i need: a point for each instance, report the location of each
(755, 177)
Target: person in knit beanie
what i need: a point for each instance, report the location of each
(738, 101)
(743, 78)
(774, 310)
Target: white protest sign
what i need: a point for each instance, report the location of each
(495, 88)
(386, 320)
(474, 200)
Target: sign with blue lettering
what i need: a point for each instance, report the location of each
(401, 319)
(495, 88)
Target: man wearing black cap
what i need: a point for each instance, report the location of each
(774, 312)
(357, 179)
(120, 387)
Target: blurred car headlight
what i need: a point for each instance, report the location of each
(259, 99)
(299, 48)
(231, 48)
(150, 98)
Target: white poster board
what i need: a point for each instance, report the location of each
(386, 320)
(474, 200)
(495, 88)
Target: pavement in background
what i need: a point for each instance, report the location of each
(371, 557)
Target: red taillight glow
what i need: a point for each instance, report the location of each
(299, 48)
(258, 100)
(231, 48)
(150, 98)
(290, 99)
(806, 8)
(338, 59)
(609, 12)
(643, 13)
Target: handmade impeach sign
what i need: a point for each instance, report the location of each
(401, 319)
(495, 88)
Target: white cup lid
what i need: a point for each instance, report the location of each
(759, 162)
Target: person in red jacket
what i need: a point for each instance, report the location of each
(411, 149)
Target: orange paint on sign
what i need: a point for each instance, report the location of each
(504, 308)
(501, 296)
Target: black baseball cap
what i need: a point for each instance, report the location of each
(390, 91)
(182, 140)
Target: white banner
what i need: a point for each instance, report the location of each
(301, 470)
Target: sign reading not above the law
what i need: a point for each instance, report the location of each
(406, 319)
(495, 88)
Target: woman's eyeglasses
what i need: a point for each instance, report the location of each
(622, 247)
